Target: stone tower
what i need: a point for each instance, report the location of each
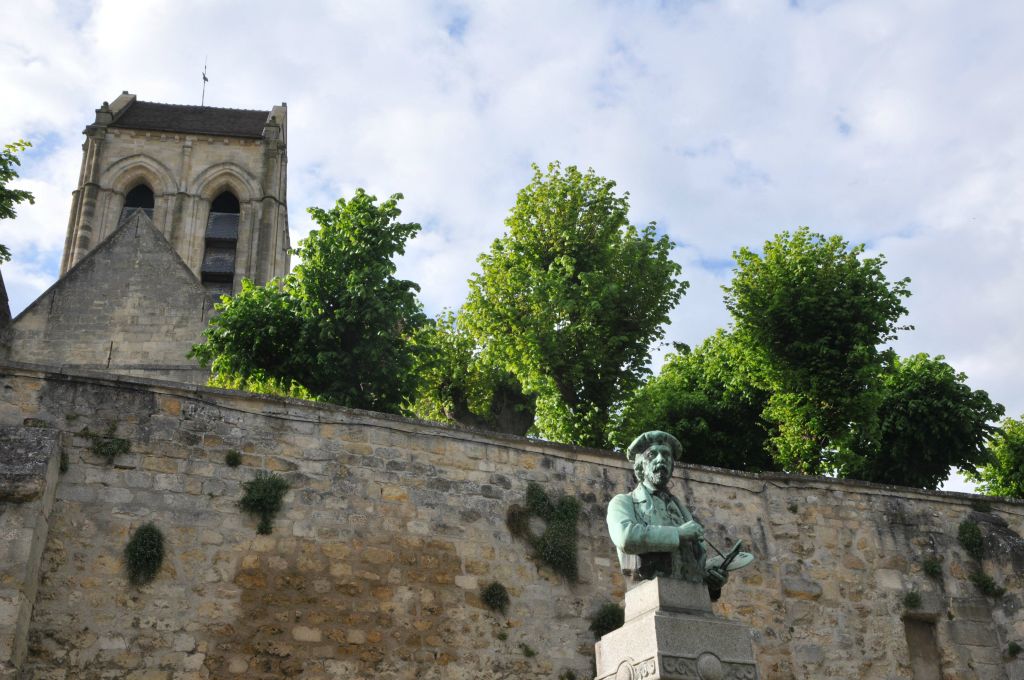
(212, 180)
(174, 206)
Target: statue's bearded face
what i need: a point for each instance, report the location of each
(658, 465)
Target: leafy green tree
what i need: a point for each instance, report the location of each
(704, 399)
(10, 198)
(571, 298)
(459, 383)
(339, 326)
(252, 342)
(1003, 475)
(929, 420)
(811, 313)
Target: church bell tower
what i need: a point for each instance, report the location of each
(212, 180)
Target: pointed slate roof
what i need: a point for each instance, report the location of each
(131, 306)
(192, 119)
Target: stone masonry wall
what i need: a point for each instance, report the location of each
(391, 526)
(29, 464)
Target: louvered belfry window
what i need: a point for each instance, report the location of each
(140, 196)
(218, 271)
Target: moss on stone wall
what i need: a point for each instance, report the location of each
(555, 546)
(106, 445)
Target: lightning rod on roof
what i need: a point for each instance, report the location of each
(202, 102)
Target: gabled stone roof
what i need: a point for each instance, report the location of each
(130, 307)
(206, 120)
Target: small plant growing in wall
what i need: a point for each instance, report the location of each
(1013, 650)
(556, 546)
(106, 445)
(528, 651)
(233, 458)
(932, 567)
(607, 618)
(971, 539)
(495, 597)
(263, 497)
(144, 554)
(987, 585)
(912, 600)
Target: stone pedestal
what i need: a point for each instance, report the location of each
(671, 633)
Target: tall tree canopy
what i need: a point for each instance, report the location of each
(705, 400)
(804, 382)
(1003, 474)
(10, 198)
(339, 326)
(460, 382)
(571, 298)
(811, 313)
(929, 420)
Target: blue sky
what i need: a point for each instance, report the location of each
(894, 123)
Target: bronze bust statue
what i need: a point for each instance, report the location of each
(654, 532)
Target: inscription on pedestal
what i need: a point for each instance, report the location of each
(707, 666)
(637, 671)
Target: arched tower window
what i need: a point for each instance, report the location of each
(218, 271)
(141, 196)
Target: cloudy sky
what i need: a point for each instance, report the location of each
(896, 123)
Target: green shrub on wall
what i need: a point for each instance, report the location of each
(556, 545)
(607, 618)
(912, 600)
(106, 445)
(987, 585)
(932, 567)
(263, 497)
(495, 596)
(971, 539)
(144, 554)
(233, 458)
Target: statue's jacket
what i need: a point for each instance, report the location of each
(646, 535)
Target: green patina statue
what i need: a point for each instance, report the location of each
(655, 534)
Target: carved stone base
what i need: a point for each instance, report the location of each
(671, 633)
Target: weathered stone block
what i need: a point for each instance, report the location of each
(972, 632)
(667, 595)
(801, 588)
(25, 454)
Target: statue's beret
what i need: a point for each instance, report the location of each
(649, 439)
